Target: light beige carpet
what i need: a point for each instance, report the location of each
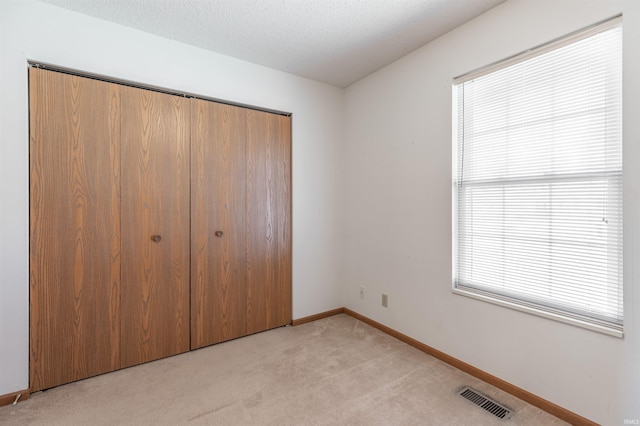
(335, 371)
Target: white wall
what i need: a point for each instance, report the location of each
(32, 30)
(398, 215)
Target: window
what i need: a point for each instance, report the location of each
(538, 181)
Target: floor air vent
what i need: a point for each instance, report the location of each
(486, 403)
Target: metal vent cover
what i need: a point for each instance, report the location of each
(486, 403)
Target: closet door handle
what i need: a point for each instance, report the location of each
(218, 234)
(156, 238)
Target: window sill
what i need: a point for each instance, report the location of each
(541, 313)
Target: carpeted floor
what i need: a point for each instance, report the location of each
(335, 371)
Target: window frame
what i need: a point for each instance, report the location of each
(548, 311)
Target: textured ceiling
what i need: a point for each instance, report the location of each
(334, 41)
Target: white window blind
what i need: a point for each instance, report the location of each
(538, 181)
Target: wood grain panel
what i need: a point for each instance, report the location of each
(74, 228)
(268, 220)
(218, 298)
(155, 201)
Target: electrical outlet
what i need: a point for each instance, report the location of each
(361, 292)
(385, 300)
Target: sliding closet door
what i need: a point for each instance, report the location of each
(268, 220)
(155, 225)
(74, 228)
(218, 297)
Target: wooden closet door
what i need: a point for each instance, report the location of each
(268, 220)
(155, 225)
(74, 228)
(218, 297)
